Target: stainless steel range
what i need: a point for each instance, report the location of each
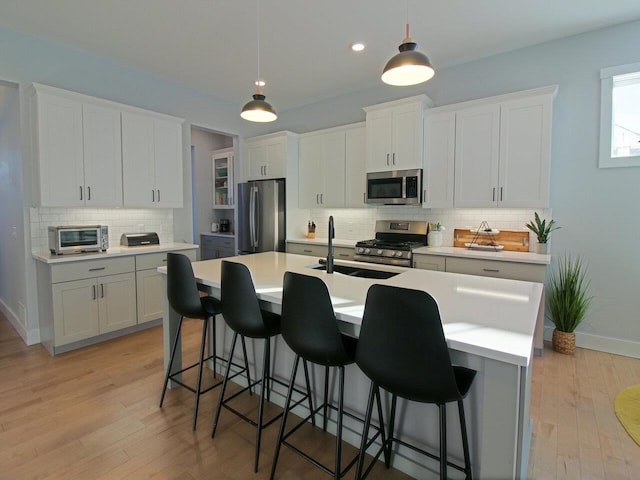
(394, 242)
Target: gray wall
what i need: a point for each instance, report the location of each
(596, 208)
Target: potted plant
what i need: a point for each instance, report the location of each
(542, 229)
(434, 235)
(567, 301)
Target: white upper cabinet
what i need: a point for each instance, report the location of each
(267, 156)
(152, 161)
(222, 170)
(78, 148)
(321, 171)
(102, 156)
(439, 158)
(395, 134)
(355, 167)
(503, 151)
(331, 168)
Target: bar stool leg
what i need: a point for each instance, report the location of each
(392, 426)
(443, 441)
(170, 366)
(224, 386)
(246, 363)
(306, 379)
(287, 404)
(264, 386)
(338, 466)
(326, 398)
(365, 433)
(465, 442)
(203, 343)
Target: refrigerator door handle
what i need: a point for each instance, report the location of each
(251, 216)
(256, 233)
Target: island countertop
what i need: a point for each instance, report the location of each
(491, 317)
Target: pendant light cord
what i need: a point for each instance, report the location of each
(258, 80)
(408, 34)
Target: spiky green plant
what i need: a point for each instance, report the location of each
(541, 228)
(568, 294)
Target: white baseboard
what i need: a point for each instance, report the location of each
(600, 343)
(30, 337)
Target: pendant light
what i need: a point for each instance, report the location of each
(409, 67)
(258, 109)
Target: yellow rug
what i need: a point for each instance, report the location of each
(627, 406)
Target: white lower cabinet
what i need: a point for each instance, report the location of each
(91, 298)
(429, 262)
(149, 284)
(320, 251)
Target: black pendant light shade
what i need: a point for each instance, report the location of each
(258, 110)
(408, 67)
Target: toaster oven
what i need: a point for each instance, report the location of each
(78, 239)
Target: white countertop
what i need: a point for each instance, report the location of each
(219, 234)
(491, 317)
(47, 257)
(522, 257)
(503, 256)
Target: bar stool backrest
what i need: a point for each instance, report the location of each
(240, 307)
(402, 348)
(182, 290)
(309, 325)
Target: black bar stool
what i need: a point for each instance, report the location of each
(185, 299)
(241, 311)
(310, 328)
(402, 349)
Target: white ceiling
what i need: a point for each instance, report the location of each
(211, 45)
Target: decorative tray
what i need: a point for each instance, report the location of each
(484, 231)
(484, 247)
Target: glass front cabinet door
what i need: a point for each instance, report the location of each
(223, 178)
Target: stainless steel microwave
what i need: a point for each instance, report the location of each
(78, 239)
(397, 187)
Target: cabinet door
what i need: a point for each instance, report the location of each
(102, 145)
(309, 171)
(168, 163)
(407, 136)
(477, 156)
(332, 166)
(222, 171)
(439, 152)
(379, 140)
(355, 168)
(256, 161)
(117, 301)
(525, 152)
(149, 295)
(138, 162)
(61, 165)
(276, 158)
(75, 311)
(429, 262)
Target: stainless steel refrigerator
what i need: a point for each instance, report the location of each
(261, 216)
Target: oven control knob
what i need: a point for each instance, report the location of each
(367, 251)
(360, 250)
(392, 253)
(398, 254)
(379, 252)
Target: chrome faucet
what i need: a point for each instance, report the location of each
(332, 235)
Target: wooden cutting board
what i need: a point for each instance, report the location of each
(511, 240)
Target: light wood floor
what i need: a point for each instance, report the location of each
(93, 414)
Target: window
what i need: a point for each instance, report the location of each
(620, 116)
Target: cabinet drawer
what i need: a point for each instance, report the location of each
(492, 268)
(429, 262)
(155, 260)
(91, 269)
(343, 253)
(306, 249)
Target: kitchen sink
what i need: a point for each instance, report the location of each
(358, 272)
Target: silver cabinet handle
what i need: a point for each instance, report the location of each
(317, 198)
(493, 270)
(343, 254)
(307, 251)
(153, 195)
(93, 290)
(158, 194)
(97, 269)
(494, 194)
(501, 188)
(80, 192)
(102, 290)
(394, 158)
(321, 198)
(265, 170)
(88, 193)
(387, 159)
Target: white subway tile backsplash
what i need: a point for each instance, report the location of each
(119, 221)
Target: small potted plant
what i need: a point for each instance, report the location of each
(568, 300)
(434, 237)
(542, 229)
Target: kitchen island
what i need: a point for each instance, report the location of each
(488, 323)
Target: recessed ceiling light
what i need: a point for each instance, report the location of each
(357, 46)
